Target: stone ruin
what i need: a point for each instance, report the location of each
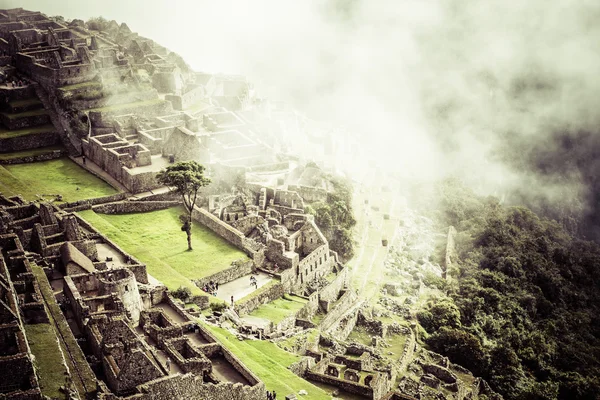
(126, 329)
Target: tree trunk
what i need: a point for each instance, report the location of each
(189, 237)
(189, 231)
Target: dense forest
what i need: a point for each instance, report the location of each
(523, 308)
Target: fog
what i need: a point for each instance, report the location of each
(503, 95)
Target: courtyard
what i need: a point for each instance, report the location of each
(47, 179)
(155, 238)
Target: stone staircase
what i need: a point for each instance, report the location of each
(25, 124)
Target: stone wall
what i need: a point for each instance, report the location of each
(450, 252)
(238, 269)
(268, 295)
(96, 200)
(219, 227)
(24, 122)
(30, 141)
(310, 308)
(309, 194)
(51, 155)
(348, 386)
(136, 267)
(407, 353)
(193, 387)
(330, 293)
(138, 182)
(124, 207)
(343, 305)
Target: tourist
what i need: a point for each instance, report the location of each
(269, 397)
(83, 159)
(168, 364)
(217, 285)
(274, 395)
(231, 301)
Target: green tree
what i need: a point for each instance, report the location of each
(185, 178)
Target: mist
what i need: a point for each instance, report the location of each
(502, 95)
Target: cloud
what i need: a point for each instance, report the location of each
(487, 91)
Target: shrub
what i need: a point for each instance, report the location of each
(183, 293)
(217, 306)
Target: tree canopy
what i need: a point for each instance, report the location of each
(186, 178)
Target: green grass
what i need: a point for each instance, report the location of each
(48, 359)
(155, 238)
(24, 102)
(31, 113)
(6, 133)
(81, 85)
(269, 363)
(30, 153)
(118, 107)
(60, 176)
(277, 310)
(83, 377)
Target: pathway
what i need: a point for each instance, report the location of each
(160, 355)
(241, 287)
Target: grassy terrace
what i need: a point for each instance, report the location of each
(118, 107)
(31, 113)
(81, 86)
(277, 310)
(82, 375)
(60, 176)
(6, 133)
(49, 362)
(155, 238)
(269, 363)
(24, 103)
(30, 153)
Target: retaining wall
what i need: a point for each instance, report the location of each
(272, 293)
(124, 207)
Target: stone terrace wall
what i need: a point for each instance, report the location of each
(138, 269)
(348, 386)
(124, 207)
(193, 388)
(272, 293)
(237, 270)
(330, 293)
(94, 201)
(51, 155)
(219, 227)
(309, 194)
(31, 141)
(450, 251)
(341, 307)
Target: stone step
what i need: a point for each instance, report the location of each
(27, 119)
(20, 106)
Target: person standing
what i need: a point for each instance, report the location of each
(168, 364)
(231, 301)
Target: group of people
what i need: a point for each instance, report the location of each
(17, 83)
(211, 288)
(271, 395)
(253, 281)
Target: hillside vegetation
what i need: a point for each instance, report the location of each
(523, 308)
